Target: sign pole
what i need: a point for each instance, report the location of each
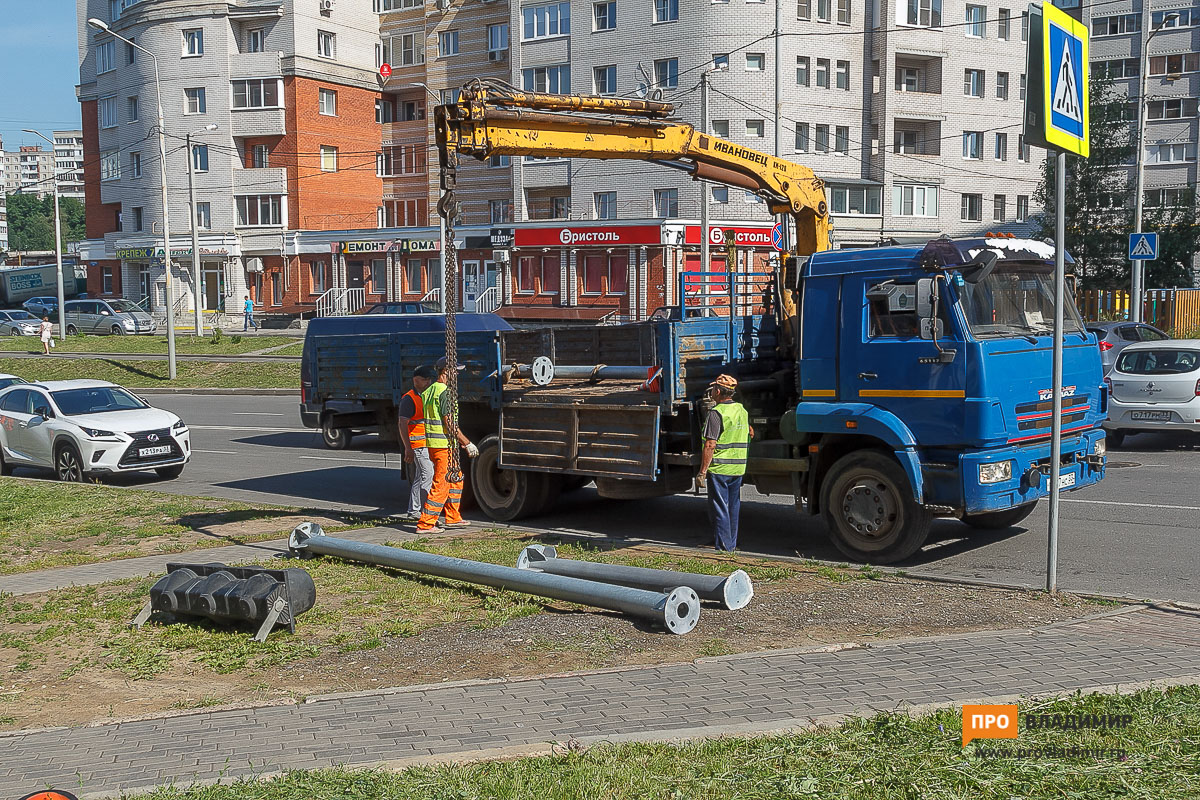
(1060, 233)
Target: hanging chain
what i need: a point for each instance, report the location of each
(448, 208)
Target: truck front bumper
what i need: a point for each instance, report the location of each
(1029, 474)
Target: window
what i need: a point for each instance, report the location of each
(380, 6)
(802, 140)
(114, 10)
(823, 73)
(1022, 87)
(971, 144)
(106, 57)
(802, 77)
(1024, 26)
(329, 157)
(972, 208)
(131, 108)
(908, 79)
(1022, 207)
(108, 112)
(910, 200)
(803, 9)
(258, 93)
(497, 40)
(384, 111)
(130, 51)
(755, 62)
(200, 157)
(905, 141)
(447, 43)
(605, 205)
(1171, 65)
(138, 217)
(193, 42)
(1001, 85)
(1022, 148)
(412, 49)
(195, 101)
(604, 15)
(822, 138)
(326, 44)
(1175, 18)
(822, 10)
(1003, 23)
(720, 127)
(604, 79)
(1171, 109)
(999, 210)
(260, 156)
(259, 209)
(498, 162)
(412, 110)
(843, 12)
(751, 197)
(1002, 147)
(1175, 153)
(538, 274)
(666, 10)
(1118, 68)
(327, 102)
(605, 273)
(864, 200)
(414, 276)
(135, 165)
(976, 21)
(720, 194)
(255, 40)
(1163, 198)
(973, 83)
(842, 79)
(1116, 25)
(204, 216)
(501, 210)
(451, 96)
(755, 128)
(666, 203)
(841, 139)
(925, 13)
(666, 73)
(106, 279)
(551, 19)
(720, 61)
(556, 80)
(110, 166)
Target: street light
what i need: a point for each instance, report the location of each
(162, 155)
(441, 219)
(1135, 278)
(62, 313)
(191, 157)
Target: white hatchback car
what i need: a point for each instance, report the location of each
(80, 428)
(1154, 386)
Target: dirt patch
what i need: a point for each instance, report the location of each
(67, 658)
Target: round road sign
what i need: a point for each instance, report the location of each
(385, 70)
(777, 237)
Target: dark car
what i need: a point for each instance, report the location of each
(406, 307)
(1116, 336)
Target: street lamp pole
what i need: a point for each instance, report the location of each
(166, 217)
(191, 157)
(441, 219)
(62, 313)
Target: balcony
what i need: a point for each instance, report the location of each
(257, 122)
(272, 180)
(917, 137)
(541, 174)
(254, 65)
(405, 132)
(917, 75)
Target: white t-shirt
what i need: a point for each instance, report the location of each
(46, 330)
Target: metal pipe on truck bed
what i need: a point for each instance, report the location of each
(677, 609)
(598, 372)
(733, 591)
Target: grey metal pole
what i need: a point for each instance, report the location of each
(778, 80)
(705, 258)
(677, 610)
(733, 591)
(62, 313)
(1135, 267)
(191, 159)
(162, 153)
(1060, 232)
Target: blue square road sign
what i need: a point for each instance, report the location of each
(1143, 246)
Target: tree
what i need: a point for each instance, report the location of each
(1178, 242)
(28, 226)
(71, 211)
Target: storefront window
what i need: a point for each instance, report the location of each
(606, 273)
(317, 271)
(551, 270)
(414, 277)
(379, 276)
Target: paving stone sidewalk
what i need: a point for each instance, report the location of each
(766, 691)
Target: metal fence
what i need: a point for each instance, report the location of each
(1176, 311)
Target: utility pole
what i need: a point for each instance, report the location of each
(191, 157)
(62, 313)
(705, 260)
(782, 219)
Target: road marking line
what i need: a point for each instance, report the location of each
(239, 428)
(256, 413)
(338, 458)
(219, 452)
(1133, 505)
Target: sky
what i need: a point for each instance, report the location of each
(39, 67)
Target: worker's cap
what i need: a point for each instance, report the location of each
(725, 382)
(441, 365)
(425, 371)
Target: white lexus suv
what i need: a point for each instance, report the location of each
(80, 428)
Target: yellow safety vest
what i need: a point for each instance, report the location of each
(431, 403)
(732, 445)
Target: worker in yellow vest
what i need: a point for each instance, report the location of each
(412, 437)
(727, 435)
(444, 496)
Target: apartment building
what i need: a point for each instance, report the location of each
(68, 162)
(28, 169)
(3, 203)
(1161, 39)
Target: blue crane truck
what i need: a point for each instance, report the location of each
(886, 386)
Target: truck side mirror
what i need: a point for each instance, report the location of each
(926, 291)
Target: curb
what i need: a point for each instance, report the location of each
(205, 392)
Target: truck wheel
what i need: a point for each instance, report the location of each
(999, 520)
(506, 494)
(869, 507)
(335, 438)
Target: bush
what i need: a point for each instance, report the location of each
(236, 338)
(216, 335)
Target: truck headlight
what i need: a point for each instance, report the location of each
(1100, 447)
(996, 472)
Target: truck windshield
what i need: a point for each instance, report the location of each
(124, 306)
(1015, 300)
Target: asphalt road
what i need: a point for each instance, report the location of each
(1135, 533)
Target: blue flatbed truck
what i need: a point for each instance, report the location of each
(886, 387)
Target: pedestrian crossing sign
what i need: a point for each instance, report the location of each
(1065, 81)
(1143, 246)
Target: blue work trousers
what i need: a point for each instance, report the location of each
(724, 505)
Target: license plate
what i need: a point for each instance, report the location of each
(1066, 479)
(1150, 416)
(162, 450)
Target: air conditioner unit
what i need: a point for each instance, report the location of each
(256, 264)
(497, 55)
(326, 6)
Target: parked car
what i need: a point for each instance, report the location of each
(9, 380)
(42, 307)
(80, 428)
(114, 316)
(1154, 386)
(1114, 337)
(405, 307)
(18, 323)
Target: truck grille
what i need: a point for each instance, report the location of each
(162, 438)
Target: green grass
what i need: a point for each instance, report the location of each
(185, 344)
(147, 374)
(884, 756)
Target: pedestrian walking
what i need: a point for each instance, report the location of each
(444, 496)
(248, 322)
(727, 435)
(412, 436)
(46, 331)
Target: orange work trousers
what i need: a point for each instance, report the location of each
(444, 496)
